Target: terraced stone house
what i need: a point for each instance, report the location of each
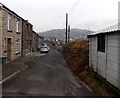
(10, 33)
(17, 37)
(27, 36)
(37, 41)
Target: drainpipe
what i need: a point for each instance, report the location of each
(90, 51)
(97, 54)
(119, 45)
(22, 40)
(119, 59)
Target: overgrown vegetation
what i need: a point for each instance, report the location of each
(77, 55)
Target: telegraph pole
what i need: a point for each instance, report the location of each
(66, 40)
(69, 33)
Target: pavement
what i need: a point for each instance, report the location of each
(46, 75)
(15, 66)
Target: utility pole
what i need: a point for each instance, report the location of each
(66, 40)
(69, 33)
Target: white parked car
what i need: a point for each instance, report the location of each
(44, 48)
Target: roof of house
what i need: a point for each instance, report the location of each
(3, 6)
(37, 34)
(111, 29)
(41, 36)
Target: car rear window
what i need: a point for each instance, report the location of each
(43, 47)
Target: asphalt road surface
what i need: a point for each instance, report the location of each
(46, 75)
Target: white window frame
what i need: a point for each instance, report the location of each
(9, 22)
(17, 46)
(17, 25)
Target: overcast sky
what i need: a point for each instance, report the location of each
(50, 14)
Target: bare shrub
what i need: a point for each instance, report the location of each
(76, 53)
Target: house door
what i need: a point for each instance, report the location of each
(9, 49)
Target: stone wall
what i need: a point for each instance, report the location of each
(26, 38)
(13, 34)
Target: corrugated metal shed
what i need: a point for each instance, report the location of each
(106, 64)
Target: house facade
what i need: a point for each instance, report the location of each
(40, 41)
(27, 36)
(10, 33)
(37, 41)
(104, 55)
(16, 36)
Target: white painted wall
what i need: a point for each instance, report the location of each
(106, 64)
(102, 64)
(112, 59)
(93, 53)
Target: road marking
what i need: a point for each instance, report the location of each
(12, 75)
(41, 54)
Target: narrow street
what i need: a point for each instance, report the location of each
(46, 75)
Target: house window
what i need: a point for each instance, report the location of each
(17, 46)
(0, 7)
(17, 26)
(5, 44)
(9, 22)
(101, 42)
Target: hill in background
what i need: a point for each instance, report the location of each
(60, 34)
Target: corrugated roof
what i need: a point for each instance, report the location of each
(112, 29)
(103, 33)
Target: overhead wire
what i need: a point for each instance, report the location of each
(73, 8)
(74, 5)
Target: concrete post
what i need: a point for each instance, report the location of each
(119, 60)
(119, 15)
(119, 45)
(0, 48)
